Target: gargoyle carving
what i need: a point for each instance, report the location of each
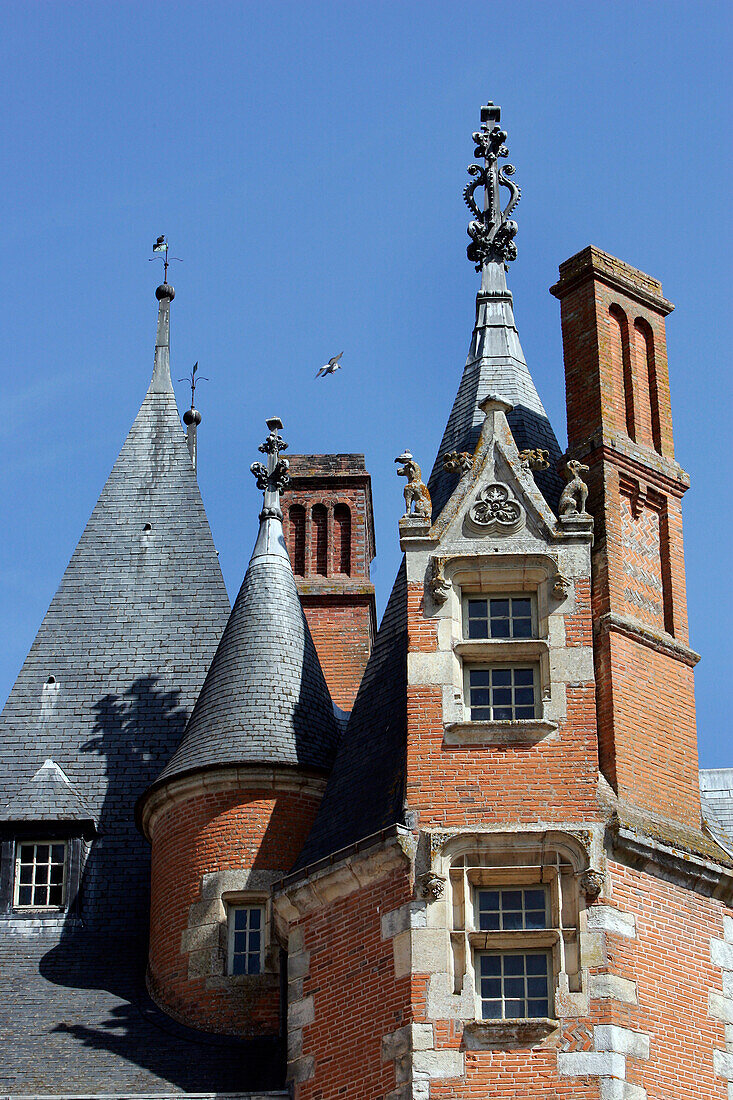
(457, 462)
(416, 491)
(560, 586)
(438, 585)
(493, 510)
(432, 885)
(591, 883)
(575, 493)
(536, 459)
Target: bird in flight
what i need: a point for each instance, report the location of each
(330, 366)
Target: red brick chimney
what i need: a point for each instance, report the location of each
(329, 529)
(620, 425)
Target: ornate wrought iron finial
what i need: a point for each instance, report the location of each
(161, 247)
(275, 476)
(491, 231)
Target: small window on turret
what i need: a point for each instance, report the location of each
(246, 942)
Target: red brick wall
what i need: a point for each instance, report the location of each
(341, 630)
(357, 998)
(670, 962)
(217, 831)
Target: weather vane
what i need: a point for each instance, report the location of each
(192, 380)
(161, 245)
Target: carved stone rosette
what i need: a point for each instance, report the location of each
(494, 511)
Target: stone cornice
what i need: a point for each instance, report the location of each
(595, 264)
(242, 777)
(647, 466)
(647, 636)
(343, 873)
(680, 866)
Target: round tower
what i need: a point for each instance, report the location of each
(229, 814)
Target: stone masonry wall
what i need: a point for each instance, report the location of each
(209, 847)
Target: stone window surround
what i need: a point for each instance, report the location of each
(517, 855)
(234, 902)
(505, 574)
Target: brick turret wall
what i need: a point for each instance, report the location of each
(329, 530)
(620, 425)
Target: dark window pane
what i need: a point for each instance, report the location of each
(524, 712)
(238, 964)
(253, 964)
(491, 1010)
(513, 964)
(538, 1008)
(481, 714)
(240, 918)
(479, 677)
(512, 921)
(534, 899)
(499, 628)
(240, 941)
(490, 965)
(477, 609)
(488, 899)
(254, 918)
(522, 628)
(26, 873)
(478, 628)
(500, 608)
(535, 918)
(488, 921)
(502, 677)
(25, 895)
(55, 895)
(57, 872)
(536, 964)
(26, 853)
(523, 676)
(501, 697)
(511, 899)
(57, 853)
(41, 853)
(479, 697)
(524, 697)
(40, 896)
(522, 608)
(514, 987)
(503, 714)
(254, 941)
(490, 987)
(537, 987)
(514, 1010)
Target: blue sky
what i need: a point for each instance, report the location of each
(306, 161)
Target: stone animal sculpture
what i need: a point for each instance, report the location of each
(575, 493)
(416, 491)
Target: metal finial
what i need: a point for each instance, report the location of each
(193, 381)
(275, 476)
(492, 232)
(161, 245)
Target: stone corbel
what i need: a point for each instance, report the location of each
(591, 883)
(560, 586)
(432, 885)
(438, 584)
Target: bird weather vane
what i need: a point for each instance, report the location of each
(193, 381)
(161, 245)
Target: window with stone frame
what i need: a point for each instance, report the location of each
(245, 938)
(514, 929)
(501, 692)
(499, 616)
(41, 874)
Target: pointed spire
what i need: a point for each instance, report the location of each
(495, 363)
(161, 381)
(265, 699)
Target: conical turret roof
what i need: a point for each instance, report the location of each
(122, 652)
(265, 699)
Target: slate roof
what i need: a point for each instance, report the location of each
(366, 790)
(496, 365)
(121, 654)
(75, 1019)
(716, 794)
(48, 796)
(265, 699)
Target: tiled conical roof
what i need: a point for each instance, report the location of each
(265, 700)
(122, 652)
(496, 365)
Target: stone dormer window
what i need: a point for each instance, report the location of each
(499, 616)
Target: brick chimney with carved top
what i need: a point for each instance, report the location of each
(329, 529)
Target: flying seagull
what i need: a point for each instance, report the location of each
(330, 366)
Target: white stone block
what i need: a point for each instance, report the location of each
(437, 1064)
(422, 1037)
(401, 954)
(723, 1063)
(621, 1040)
(728, 929)
(613, 1089)
(584, 1063)
(301, 1013)
(429, 950)
(397, 920)
(604, 918)
(430, 668)
(614, 987)
(720, 1007)
(721, 954)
